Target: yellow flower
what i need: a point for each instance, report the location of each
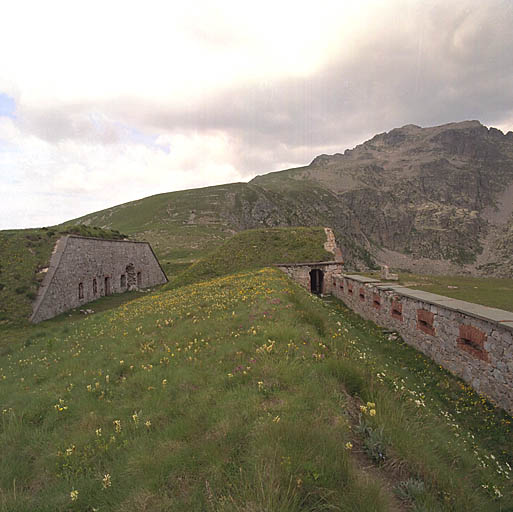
(276, 419)
(349, 445)
(148, 423)
(73, 495)
(363, 408)
(371, 405)
(106, 481)
(372, 412)
(117, 425)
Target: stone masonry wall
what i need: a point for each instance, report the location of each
(472, 341)
(83, 269)
(300, 272)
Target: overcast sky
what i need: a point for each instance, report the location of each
(103, 102)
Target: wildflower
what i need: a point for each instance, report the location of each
(363, 408)
(372, 412)
(73, 495)
(260, 385)
(70, 450)
(106, 481)
(135, 417)
(147, 424)
(89, 387)
(276, 419)
(117, 425)
(98, 432)
(371, 405)
(349, 445)
(164, 382)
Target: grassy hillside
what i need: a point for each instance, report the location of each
(244, 393)
(257, 248)
(23, 254)
(181, 225)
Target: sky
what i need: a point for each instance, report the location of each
(106, 102)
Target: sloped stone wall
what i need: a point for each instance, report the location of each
(83, 269)
(472, 341)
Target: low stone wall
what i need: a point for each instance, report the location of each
(83, 269)
(300, 272)
(472, 341)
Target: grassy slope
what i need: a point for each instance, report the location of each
(180, 226)
(258, 248)
(496, 293)
(239, 394)
(22, 254)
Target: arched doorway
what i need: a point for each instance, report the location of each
(131, 276)
(316, 280)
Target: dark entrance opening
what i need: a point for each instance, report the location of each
(131, 276)
(107, 286)
(316, 279)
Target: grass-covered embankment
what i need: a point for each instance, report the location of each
(23, 254)
(241, 393)
(258, 248)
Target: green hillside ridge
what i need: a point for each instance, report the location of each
(258, 248)
(23, 254)
(442, 193)
(243, 393)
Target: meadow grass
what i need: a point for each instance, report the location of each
(241, 393)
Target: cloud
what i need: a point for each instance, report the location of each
(115, 102)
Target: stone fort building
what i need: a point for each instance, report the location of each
(83, 269)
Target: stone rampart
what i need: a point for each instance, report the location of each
(472, 341)
(83, 269)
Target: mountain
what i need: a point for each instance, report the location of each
(436, 199)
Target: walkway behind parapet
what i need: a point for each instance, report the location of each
(472, 341)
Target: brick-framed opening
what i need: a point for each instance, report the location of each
(396, 310)
(139, 279)
(362, 293)
(472, 340)
(425, 320)
(80, 291)
(122, 281)
(376, 300)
